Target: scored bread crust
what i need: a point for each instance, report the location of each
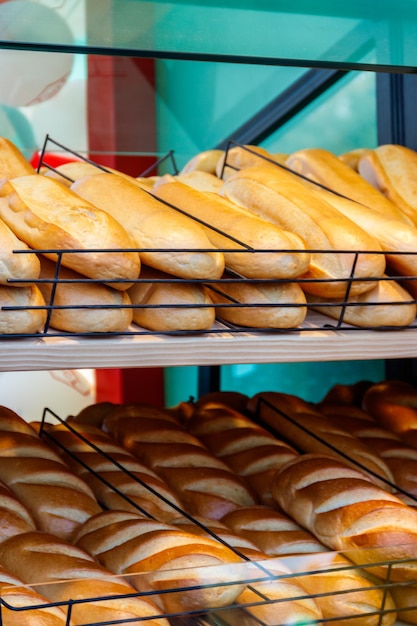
(26, 318)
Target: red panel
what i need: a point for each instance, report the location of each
(121, 119)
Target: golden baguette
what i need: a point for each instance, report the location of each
(258, 249)
(16, 265)
(110, 309)
(28, 317)
(205, 161)
(326, 168)
(277, 195)
(49, 216)
(12, 161)
(280, 305)
(161, 304)
(175, 243)
(392, 169)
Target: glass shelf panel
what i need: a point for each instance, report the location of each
(313, 33)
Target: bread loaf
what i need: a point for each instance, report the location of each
(162, 303)
(264, 305)
(353, 157)
(393, 405)
(200, 180)
(386, 304)
(56, 498)
(204, 484)
(82, 306)
(22, 310)
(392, 170)
(43, 560)
(15, 518)
(48, 216)
(15, 264)
(205, 161)
(169, 241)
(326, 168)
(22, 606)
(116, 478)
(258, 249)
(249, 450)
(12, 161)
(308, 430)
(346, 511)
(238, 157)
(171, 558)
(277, 195)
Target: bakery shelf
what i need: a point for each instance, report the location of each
(217, 348)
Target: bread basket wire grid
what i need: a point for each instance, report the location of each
(321, 321)
(217, 616)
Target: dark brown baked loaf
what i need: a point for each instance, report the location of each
(117, 479)
(204, 484)
(41, 559)
(171, 558)
(346, 511)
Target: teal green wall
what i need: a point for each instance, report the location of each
(201, 103)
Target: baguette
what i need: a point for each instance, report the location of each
(392, 170)
(81, 306)
(56, 498)
(264, 305)
(62, 572)
(14, 263)
(239, 157)
(204, 484)
(116, 478)
(48, 216)
(386, 304)
(22, 310)
(275, 194)
(162, 304)
(308, 430)
(249, 450)
(200, 180)
(393, 405)
(170, 242)
(249, 238)
(172, 559)
(346, 511)
(15, 517)
(352, 157)
(205, 161)
(326, 168)
(12, 161)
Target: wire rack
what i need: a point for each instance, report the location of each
(322, 320)
(248, 573)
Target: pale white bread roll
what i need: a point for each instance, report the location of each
(275, 194)
(386, 304)
(56, 498)
(393, 235)
(392, 169)
(251, 240)
(346, 511)
(280, 305)
(339, 589)
(352, 157)
(205, 161)
(16, 265)
(49, 216)
(162, 303)
(28, 608)
(204, 484)
(248, 449)
(106, 309)
(24, 319)
(175, 244)
(237, 158)
(172, 558)
(328, 169)
(61, 572)
(308, 430)
(117, 479)
(12, 161)
(200, 180)
(400, 458)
